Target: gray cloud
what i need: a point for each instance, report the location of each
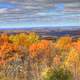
(40, 11)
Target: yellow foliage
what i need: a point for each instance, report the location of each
(72, 58)
(45, 72)
(64, 42)
(24, 39)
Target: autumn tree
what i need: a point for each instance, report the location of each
(44, 45)
(64, 42)
(24, 39)
(72, 62)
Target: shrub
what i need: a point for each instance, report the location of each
(59, 74)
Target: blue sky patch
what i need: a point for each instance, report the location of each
(59, 6)
(7, 5)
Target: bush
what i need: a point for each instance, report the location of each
(59, 74)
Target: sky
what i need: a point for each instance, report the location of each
(39, 13)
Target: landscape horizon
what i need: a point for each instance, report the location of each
(39, 39)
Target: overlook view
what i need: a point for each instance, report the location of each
(39, 40)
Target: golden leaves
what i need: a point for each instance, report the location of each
(64, 42)
(43, 45)
(10, 44)
(10, 47)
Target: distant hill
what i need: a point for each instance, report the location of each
(47, 31)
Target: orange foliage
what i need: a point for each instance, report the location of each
(64, 42)
(4, 37)
(5, 50)
(57, 60)
(10, 46)
(76, 45)
(43, 45)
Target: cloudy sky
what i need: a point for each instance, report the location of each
(39, 13)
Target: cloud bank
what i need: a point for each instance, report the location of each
(35, 13)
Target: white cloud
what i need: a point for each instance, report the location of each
(3, 10)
